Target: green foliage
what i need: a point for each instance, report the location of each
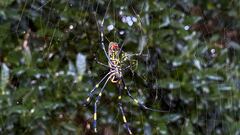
(184, 56)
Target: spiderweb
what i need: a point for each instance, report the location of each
(183, 57)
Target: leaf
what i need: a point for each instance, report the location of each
(165, 23)
(69, 127)
(172, 117)
(51, 105)
(147, 129)
(214, 77)
(81, 65)
(224, 87)
(38, 114)
(197, 64)
(234, 45)
(17, 109)
(13, 57)
(142, 43)
(4, 77)
(71, 69)
(169, 84)
(163, 128)
(27, 56)
(5, 3)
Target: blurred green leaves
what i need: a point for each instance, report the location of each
(184, 57)
(5, 3)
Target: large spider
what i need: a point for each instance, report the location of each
(115, 75)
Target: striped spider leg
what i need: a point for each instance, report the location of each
(116, 77)
(115, 66)
(90, 95)
(115, 63)
(141, 105)
(121, 108)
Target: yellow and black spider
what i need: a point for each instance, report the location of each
(115, 75)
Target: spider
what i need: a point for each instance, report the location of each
(115, 75)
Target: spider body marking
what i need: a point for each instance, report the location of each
(114, 63)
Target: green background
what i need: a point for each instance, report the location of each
(187, 63)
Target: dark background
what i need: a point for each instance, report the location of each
(186, 62)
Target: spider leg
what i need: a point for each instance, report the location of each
(96, 59)
(103, 64)
(102, 32)
(138, 102)
(88, 100)
(122, 111)
(124, 42)
(125, 68)
(102, 41)
(96, 102)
